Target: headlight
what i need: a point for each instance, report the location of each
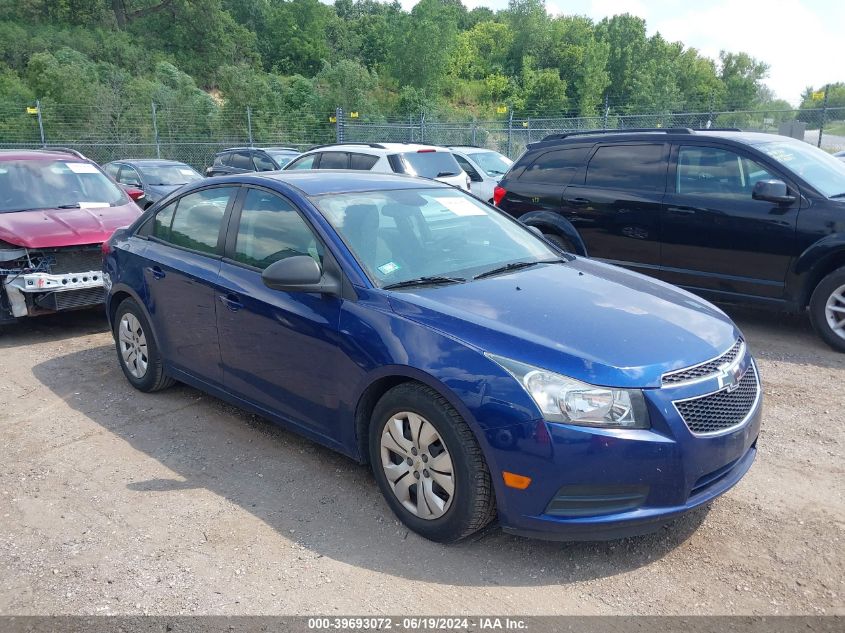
(563, 399)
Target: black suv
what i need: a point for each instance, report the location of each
(730, 215)
(237, 160)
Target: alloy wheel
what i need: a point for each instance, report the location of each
(133, 345)
(417, 465)
(834, 311)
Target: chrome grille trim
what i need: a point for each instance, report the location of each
(725, 398)
(706, 370)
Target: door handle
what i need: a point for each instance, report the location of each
(681, 210)
(157, 272)
(232, 302)
(578, 202)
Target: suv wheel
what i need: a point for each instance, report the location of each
(137, 350)
(827, 309)
(429, 465)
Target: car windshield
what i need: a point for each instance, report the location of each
(48, 184)
(282, 158)
(409, 234)
(168, 175)
(820, 169)
(429, 164)
(493, 163)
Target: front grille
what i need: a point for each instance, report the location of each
(704, 369)
(723, 409)
(71, 299)
(76, 260)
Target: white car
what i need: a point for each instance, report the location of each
(840, 155)
(426, 161)
(485, 168)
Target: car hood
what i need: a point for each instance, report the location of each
(48, 228)
(591, 321)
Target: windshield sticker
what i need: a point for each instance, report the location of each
(460, 206)
(186, 172)
(388, 268)
(93, 205)
(82, 168)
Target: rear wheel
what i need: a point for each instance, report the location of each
(827, 309)
(137, 351)
(429, 465)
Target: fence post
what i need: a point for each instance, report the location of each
(40, 123)
(249, 124)
(339, 123)
(606, 111)
(410, 128)
(422, 127)
(510, 130)
(155, 129)
(528, 130)
(474, 131)
(824, 115)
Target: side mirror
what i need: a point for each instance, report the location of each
(299, 274)
(772, 191)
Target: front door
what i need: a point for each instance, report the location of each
(279, 349)
(716, 237)
(615, 204)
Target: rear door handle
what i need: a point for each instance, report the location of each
(232, 302)
(578, 202)
(157, 272)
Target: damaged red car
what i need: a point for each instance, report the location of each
(56, 210)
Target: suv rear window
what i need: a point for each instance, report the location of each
(555, 167)
(428, 164)
(51, 184)
(640, 167)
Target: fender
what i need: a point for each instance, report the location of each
(555, 223)
(814, 263)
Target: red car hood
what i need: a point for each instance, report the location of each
(48, 228)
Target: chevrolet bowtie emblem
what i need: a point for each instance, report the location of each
(728, 376)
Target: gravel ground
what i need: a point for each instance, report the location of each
(116, 502)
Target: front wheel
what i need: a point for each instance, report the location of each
(137, 350)
(827, 309)
(429, 465)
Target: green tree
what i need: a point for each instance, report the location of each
(742, 76)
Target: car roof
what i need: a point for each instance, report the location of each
(669, 134)
(471, 148)
(263, 149)
(148, 161)
(376, 149)
(315, 182)
(41, 154)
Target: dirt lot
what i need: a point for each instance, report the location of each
(112, 501)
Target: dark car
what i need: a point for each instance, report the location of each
(239, 160)
(405, 323)
(155, 177)
(729, 215)
(56, 210)
(840, 155)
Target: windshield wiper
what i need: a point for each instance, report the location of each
(72, 205)
(424, 281)
(516, 266)
(444, 174)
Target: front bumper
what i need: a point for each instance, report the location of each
(34, 293)
(598, 484)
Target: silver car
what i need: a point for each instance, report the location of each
(484, 167)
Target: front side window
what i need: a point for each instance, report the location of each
(128, 176)
(426, 163)
(194, 220)
(306, 162)
(271, 229)
(637, 167)
(402, 235)
(241, 160)
(112, 169)
(55, 184)
(718, 172)
(493, 163)
(469, 169)
(263, 163)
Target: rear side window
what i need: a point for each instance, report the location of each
(427, 164)
(555, 167)
(241, 160)
(194, 220)
(334, 160)
(263, 163)
(639, 167)
(363, 162)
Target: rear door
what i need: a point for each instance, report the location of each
(615, 203)
(181, 268)
(716, 237)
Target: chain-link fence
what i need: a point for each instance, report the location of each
(194, 133)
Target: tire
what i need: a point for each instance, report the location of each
(438, 516)
(561, 242)
(132, 332)
(827, 309)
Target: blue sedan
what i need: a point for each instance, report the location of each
(482, 372)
